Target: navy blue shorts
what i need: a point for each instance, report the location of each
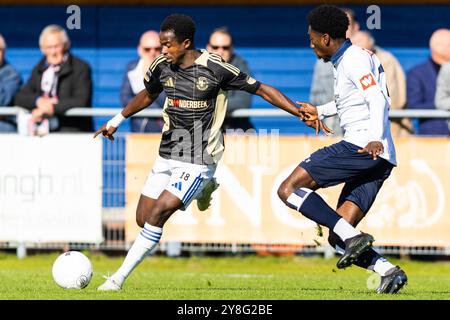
(341, 163)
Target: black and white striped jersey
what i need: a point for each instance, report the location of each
(196, 105)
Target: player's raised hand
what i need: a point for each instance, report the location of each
(318, 125)
(307, 111)
(108, 133)
(324, 128)
(374, 148)
(309, 115)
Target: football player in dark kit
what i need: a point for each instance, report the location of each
(195, 83)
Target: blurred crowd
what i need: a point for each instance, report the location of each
(61, 81)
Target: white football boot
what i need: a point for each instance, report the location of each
(204, 201)
(109, 285)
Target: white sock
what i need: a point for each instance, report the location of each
(345, 230)
(339, 250)
(145, 242)
(382, 266)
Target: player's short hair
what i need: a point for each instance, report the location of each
(181, 25)
(329, 19)
(352, 15)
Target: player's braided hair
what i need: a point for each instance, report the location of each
(182, 26)
(329, 19)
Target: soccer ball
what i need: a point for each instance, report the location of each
(72, 270)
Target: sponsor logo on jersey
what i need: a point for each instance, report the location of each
(367, 81)
(189, 104)
(202, 83)
(169, 82)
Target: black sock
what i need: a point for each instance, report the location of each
(312, 206)
(365, 260)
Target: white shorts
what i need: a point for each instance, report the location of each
(184, 180)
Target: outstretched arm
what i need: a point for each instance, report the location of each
(232, 78)
(142, 100)
(278, 99)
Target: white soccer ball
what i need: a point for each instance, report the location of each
(72, 270)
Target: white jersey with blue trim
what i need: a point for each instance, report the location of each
(361, 99)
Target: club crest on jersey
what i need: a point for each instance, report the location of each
(367, 81)
(202, 83)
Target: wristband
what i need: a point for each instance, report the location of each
(116, 121)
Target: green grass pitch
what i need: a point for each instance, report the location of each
(241, 277)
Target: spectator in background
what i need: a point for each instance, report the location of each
(133, 81)
(60, 81)
(322, 86)
(421, 83)
(10, 82)
(442, 99)
(395, 79)
(221, 43)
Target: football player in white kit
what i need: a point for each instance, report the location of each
(362, 160)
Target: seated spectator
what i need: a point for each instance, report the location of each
(322, 86)
(421, 83)
(395, 79)
(10, 82)
(221, 43)
(60, 81)
(133, 82)
(442, 99)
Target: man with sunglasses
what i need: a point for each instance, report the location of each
(148, 49)
(221, 43)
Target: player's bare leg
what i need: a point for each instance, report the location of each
(392, 277)
(299, 178)
(297, 192)
(144, 207)
(350, 212)
(151, 215)
(157, 212)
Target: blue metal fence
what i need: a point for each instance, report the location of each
(114, 172)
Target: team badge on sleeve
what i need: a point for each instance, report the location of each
(367, 81)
